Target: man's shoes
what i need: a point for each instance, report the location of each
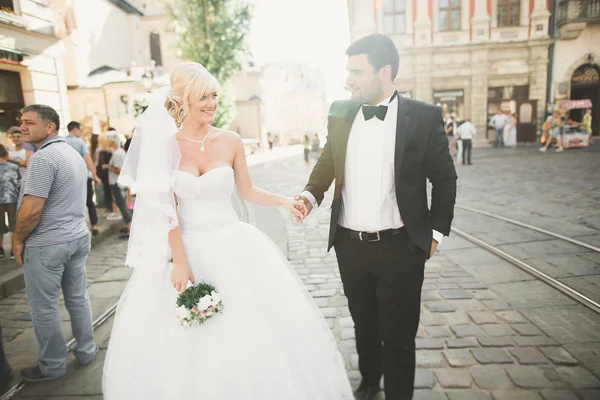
(368, 393)
(34, 375)
(91, 360)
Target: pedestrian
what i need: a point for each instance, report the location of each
(52, 242)
(114, 169)
(450, 127)
(586, 124)
(5, 369)
(104, 156)
(498, 121)
(466, 132)
(555, 133)
(10, 178)
(316, 147)
(546, 126)
(510, 132)
(75, 141)
(382, 229)
(270, 140)
(306, 143)
(20, 153)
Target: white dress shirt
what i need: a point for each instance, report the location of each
(369, 192)
(466, 130)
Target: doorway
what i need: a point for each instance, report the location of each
(585, 84)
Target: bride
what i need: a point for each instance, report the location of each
(271, 341)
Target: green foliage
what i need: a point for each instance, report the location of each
(193, 294)
(213, 33)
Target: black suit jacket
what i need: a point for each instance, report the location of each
(421, 153)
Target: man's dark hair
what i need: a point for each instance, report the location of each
(3, 152)
(46, 113)
(73, 125)
(111, 129)
(380, 50)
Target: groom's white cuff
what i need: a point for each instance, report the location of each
(310, 198)
(438, 237)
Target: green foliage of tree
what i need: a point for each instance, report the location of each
(213, 33)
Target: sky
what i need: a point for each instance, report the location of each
(315, 32)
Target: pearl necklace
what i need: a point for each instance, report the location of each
(202, 149)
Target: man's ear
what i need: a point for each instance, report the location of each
(386, 72)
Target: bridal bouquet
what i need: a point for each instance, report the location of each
(197, 304)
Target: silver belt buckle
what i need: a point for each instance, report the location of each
(374, 240)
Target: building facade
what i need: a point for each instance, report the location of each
(576, 58)
(471, 57)
(31, 63)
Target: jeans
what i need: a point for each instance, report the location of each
(119, 197)
(47, 269)
(499, 141)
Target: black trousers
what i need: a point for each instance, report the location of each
(383, 281)
(467, 147)
(91, 206)
(119, 197)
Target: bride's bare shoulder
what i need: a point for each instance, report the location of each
(228, 136)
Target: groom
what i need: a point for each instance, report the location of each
(381, 150)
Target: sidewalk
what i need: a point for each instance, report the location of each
(11, 275)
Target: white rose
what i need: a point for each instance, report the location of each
(182, 312)
(204, 303)
(216, 297)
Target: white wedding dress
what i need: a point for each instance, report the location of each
(270, 342)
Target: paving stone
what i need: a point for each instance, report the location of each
(558, 394)
(534, 341)
(430, 359)
(431, 344)
(429, 395)
(457, 318)
(447, 285)
(459, 357)
(559, 356)
(515, 395)
(437, 331)
(495, 341)
(593, 394)
(460, 343)
(466, 330)
(578, 377)
(440, 306)
(424, 379)
(430, 295)
(497, 305)
(491, 356)
(453, 379)
(432, 319)
(528, 377)
(454, 294)
(498, 330)
(472, 285)
(527, 329)
(490, 377)
(484, 317)
(484, 294)
(528, 355)
(468, 395)
(511, 316)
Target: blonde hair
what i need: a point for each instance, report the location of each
(190, 82)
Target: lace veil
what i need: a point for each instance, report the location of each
(152, 157)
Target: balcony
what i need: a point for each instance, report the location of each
(575, 15)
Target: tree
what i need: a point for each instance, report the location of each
(213, 33)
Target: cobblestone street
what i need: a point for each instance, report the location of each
(488, 330)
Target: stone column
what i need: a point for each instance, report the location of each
(538, 75)
(480, 23)
(423, 24)
(539, 19)
(478, 98)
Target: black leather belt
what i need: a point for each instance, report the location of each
(374, 236)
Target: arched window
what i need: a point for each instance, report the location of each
(586, 74)
(155, 53)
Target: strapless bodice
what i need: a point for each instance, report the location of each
(204, 202)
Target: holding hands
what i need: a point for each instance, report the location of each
(296, 206)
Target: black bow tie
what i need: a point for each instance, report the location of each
(374, 111)
(377, 111)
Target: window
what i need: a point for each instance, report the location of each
(394, 14)
(8, 6)
(449, 15)
(155, 53)
(509, 12)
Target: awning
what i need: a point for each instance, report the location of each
(573, 104)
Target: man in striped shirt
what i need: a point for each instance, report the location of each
(51, 241)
